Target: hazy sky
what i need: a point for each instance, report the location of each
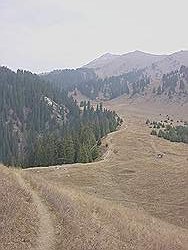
(41, 35)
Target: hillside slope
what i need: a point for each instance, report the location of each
(41, 125)
(69, 79)
(113, 65)
(130, 200)
(135, 74)
(101, 61)
(88, 84)
(171, 87)
(170, 63)
(18, 214)
(29, 108)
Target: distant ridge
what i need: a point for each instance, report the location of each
(170, 63)
(101, 61)
(136, 74)
(113, 65)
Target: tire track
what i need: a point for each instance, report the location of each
(46, 237)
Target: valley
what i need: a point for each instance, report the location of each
(93, 177)
(131, 199)
(93, 125)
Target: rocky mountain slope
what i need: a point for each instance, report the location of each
(173, 85)
(136, 74)
(169, 63)
(112, 65)
(102, 61)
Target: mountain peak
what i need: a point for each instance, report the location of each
(101, 61)
(139, 52)
(107, 54)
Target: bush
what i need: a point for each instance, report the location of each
(153, 132)
(147, 121)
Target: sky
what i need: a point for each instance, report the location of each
(42, 35)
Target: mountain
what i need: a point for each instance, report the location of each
(41, 125)
(156, 65)
(146, 83)
(88, 84)
(68, 79)
(173, 85)
(169, 63)
(155, 70)
(102, 61)
(134, 74)
(113, 65)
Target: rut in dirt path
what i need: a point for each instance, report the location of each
(46, 236)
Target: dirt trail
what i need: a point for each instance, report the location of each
(154, 146)
(46, 235)
(111, 147)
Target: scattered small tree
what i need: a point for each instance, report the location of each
(153, 132)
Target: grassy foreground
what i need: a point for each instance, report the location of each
(129, 200)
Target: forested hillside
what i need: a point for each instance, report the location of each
(172, 86)
(69, 79)
(174, 83)
(41, 125)
(86, 81)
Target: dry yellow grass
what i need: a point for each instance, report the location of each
(129, 200)
(18, 217)
(86, 222)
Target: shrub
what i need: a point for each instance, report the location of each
(153, 132)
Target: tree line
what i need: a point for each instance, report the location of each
(169, 131)
(175, 82)
(79, 140)
(87, 82)
(41, 125)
